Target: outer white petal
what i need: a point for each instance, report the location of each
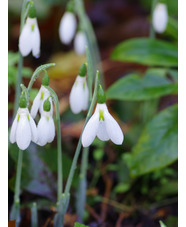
(86, 94)
(80, 42)
(13, 130)
(36, 40)
(43, 128)
(25, 44)
(102, 132)
(36, 104)
(160, 18)
(77, 97)
(113, 129)
(33, 129)
(23, 132)
(51, 133)
(67, 27)
(90, 130)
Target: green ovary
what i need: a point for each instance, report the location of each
(101, 116)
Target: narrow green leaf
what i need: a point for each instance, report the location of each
(77, 224)
(162, 224)
(134, 87)
(147, 52)
(158, 144)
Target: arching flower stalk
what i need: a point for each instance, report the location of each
(42, 95)
(102, 124)
(29, 39)
(79, 94)
(160, 17)
(46, 127)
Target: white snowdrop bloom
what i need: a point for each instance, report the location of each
(160, 18)
(102, 125)
(23, 129)
(67, 27)
(80, 42)
(29, 39)
(42, 95)
(46, 128)
(79, 95)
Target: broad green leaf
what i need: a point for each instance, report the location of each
(134, 87)
(157, 146)
(147, 52)
(172, 28)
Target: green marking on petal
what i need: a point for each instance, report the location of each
(42, 95)
(76, 83)
(28, 117)
(47, 117)
(32, 27)
(18, 117)
(101, 116)
(84, 85)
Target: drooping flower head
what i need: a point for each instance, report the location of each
(102, 124)
(79, 93)
(42, 95)
(29, 39)
(80, 43)
(68, 24)
(160, 17)
(23, 129)
(46, 127)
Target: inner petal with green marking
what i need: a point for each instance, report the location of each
(18, 117)
(28, 117)
(32, 27)
(101, 115)
(42, 95)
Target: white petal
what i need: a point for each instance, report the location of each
(160, 18)
(102, 132)
(51, 133)
(36, 104)
(25, 44)
(113, 129)
(33, 129)
(36, 41)
(67, 27)
(86, 94)
(90, 130)
(13, 130)
(43, 128)
(78, 97)
(80, 42)
(23, 132)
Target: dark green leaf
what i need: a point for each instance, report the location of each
(77, 224)
(134, 87)
(147, 52)
(158, 144)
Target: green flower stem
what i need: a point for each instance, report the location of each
(91, 38)
(34, 218)
(77, 152)
(59, 146)
(18, 176)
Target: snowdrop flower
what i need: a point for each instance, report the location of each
(42, 95)
(46, 127)
(102, 124)
(80, 42)
(29, 39)
(67, 27)
(160, 17)
(79, 93)
(23, 129)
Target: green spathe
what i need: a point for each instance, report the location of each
(101, 97)
(45, 79)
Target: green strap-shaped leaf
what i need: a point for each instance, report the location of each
(147, 52)
(158, 144)
(134, 87)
